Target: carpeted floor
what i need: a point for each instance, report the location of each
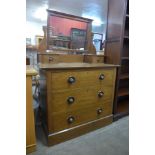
(110, 140)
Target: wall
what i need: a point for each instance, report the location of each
(33, 29)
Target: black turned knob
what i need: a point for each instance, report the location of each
(70, 119)
(71, 79)
(70, 100)
(101, 77)
(99, 111)
(100, 94)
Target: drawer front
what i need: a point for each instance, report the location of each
(49, 58)
(55, 58)
(80, 79)
(79, 99)
(94, 59)
(67, 120)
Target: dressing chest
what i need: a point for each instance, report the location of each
(75, 98)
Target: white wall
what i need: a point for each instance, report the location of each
(33, 29)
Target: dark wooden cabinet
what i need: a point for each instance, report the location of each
(115, 18)
(113, 52)
(117, 52)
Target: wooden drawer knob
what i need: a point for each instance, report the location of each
(101, 77)
(100, 94)
(70, 119)
(70, 100)
(71, 80)
(99, 111)
(50, 59)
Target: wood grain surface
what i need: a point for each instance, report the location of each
(70, 133)
(88, 106)
(61, 66)
(58, 81)
(30, 127)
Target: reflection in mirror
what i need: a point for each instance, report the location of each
(68, 32)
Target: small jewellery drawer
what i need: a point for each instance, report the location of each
(66, 120)
(53, 58)
(79, 99)
(81, 79)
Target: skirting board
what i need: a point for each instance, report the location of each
(30, 148)
(67, 134)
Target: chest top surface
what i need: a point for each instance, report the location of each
(30, 71)
(62, 66)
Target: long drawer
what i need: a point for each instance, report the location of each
(79, 99)
(80, 79)
(48, 58)
(61, 121)
(57, 58)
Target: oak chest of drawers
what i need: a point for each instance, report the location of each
(76, 98)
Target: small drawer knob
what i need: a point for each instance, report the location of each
(70, 119)
(50, 59)
(71, 80)
(100, 94)
(101, 77)
(99, 111)
(70, 100)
